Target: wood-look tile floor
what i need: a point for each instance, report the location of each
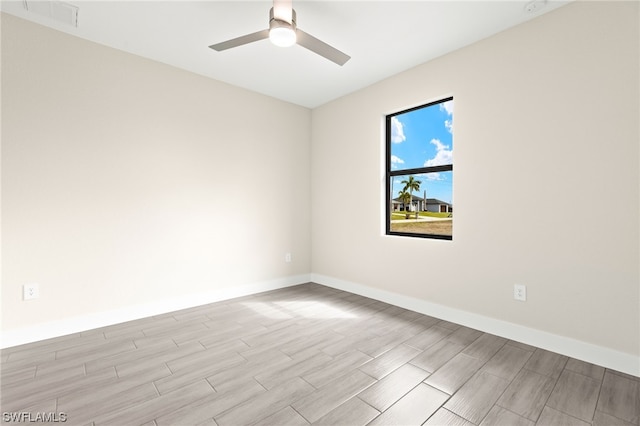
(306, 355)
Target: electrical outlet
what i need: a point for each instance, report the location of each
(520, 292)
(287, 257)
(30, 291)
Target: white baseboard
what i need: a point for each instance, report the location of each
(605, 357)
(102, 319)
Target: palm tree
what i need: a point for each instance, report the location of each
(405, 197)
(411, 184)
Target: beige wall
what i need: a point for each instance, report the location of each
(546, 180)
(126, 181)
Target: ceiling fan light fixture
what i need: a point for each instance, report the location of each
(282, 35)
(283, 32)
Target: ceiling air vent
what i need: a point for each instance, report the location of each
(58, 11)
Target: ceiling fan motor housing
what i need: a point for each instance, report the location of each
(277, 21)
(281, 32)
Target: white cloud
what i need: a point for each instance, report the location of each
(447, 106)
(430, 176)
(439, 145)
(397, 131)
(444, 155)
(396, 160)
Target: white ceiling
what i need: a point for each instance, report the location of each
(383, 38)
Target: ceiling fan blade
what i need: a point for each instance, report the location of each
(321, 48)
(239, 41)
(283, 10)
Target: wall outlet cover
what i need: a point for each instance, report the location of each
(30, 291)
(520, 292)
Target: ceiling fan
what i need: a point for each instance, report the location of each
(284, 32)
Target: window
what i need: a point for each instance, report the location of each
(419, 176)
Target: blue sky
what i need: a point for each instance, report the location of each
(423, 138)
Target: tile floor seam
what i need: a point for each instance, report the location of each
(557, 409)
(364, 372)
(555, 383)
(595, 409)
(609, 414)
(310, 384)
(441, 406)
(299, 413)
(356, 396)
(567, 414)
(403, 395)
(259, 384)
(511, 411)
(158, 394)
(499, 396)
(452, 413)
(465, 382)
(115, 367)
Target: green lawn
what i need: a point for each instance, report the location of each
(401, 215)
(431, 214)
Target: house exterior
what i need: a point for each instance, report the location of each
(438, 206)
(421, 204)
